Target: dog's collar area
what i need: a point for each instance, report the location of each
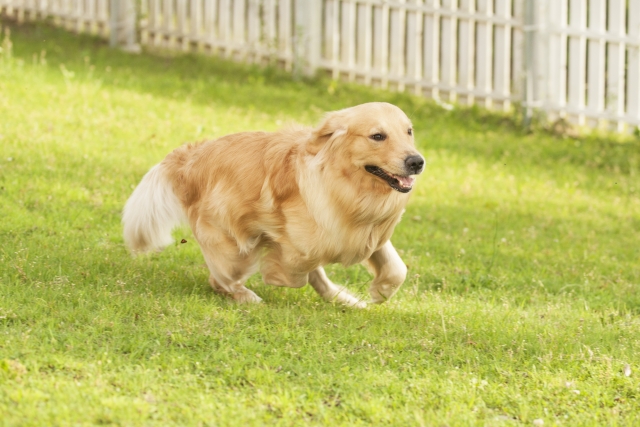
(403, 184)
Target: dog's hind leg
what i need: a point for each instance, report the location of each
(332, 292)
(389, 271)
(229, 269)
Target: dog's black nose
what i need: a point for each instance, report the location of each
(414, 164)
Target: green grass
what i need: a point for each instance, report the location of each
(522, 301)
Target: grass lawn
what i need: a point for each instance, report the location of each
(522, 305)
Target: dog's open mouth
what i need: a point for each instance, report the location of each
(399, 183)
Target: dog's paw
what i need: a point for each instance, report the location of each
(246, 296)
(359, 304)
(343, 296)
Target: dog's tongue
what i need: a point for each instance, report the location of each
(406, 181)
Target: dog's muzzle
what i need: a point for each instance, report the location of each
(400, 183)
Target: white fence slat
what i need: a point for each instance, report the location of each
(78, 12)
(414, 51)
(66, 14)
(223, 20)
(92, 9)
(363, 50)
(103, 16)
(502, 52)
(72, 23)
(397, 17)
(269, 18)
(59, 17)
(209, 24)
(431, 49)
(332, 35)
(615, 60)
(633, 73)
(448, 45)
(557, 73)
(26, 9)
(90, 12)
(347, 39)
(181, 24)
(517, 51)
(254, 29)
(596, 48)
(466, 50)
(381, 42)
(238, 27)
(284, 33)
(577, 57)
(484, 51)
(195, 20)
(37, 8)
(153, 21)
(167, 23)
(55, 9)
(309, 26)
(46, 8)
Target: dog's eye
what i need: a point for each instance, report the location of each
(410, 131)
(378, 137)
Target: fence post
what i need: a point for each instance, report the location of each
(307, 36)
(122, 23)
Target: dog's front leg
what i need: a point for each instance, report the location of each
(389, 271)
(332, 292)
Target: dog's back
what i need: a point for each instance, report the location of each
(225, 182)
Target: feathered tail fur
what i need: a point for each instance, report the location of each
(151, 213)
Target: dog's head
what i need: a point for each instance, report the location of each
(373, 139)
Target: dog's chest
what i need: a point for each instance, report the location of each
(354, 248)
(331, 227)
(345, 245)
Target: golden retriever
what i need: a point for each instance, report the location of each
(287, 203)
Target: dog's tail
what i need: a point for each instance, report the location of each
(151, 213)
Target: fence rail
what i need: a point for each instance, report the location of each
(575, 59)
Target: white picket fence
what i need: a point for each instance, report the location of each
(85, 15)
(576, 59)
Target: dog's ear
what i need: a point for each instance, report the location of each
(332, 127)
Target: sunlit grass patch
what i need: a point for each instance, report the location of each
(521, 303)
